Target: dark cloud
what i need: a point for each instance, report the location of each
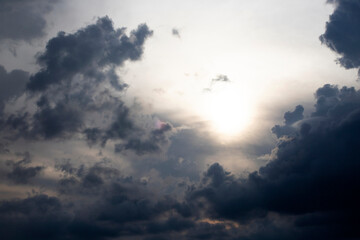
(307, 191)
(152, 143)
(23, 20)
(296, 115)
(121, 126)
(21, 172)
(3, 148)
(12, 85)
(76, 68)
(60, 120)
(97, 202)
(139, 139)
(313, 176)
(342, 33)
(37, 217)
(88, 52)
(289, 119)
(77, 79)
(44, 217)
(110, 204)
(15, 126)
(171, 224)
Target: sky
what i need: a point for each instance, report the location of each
(185, 120)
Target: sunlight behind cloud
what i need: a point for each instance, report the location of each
(229, 111)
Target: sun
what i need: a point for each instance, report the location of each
(229, 110)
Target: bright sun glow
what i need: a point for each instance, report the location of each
(229, 111)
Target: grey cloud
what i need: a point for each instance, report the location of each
(119, 207)
(21, 172)
(221, 78)
(342, 33)
(12, 85)
(289, 119)
(109, 207)
(152, 143)
(312, 178)
(88, 52)
(76, 71)
(310, 182)
(186, 155)
(296, 115)
(23, 20)
(60, 120)
(175, 32)
(218, 79)
(121, 126)
(75, 68)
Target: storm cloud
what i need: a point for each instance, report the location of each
(77, 79)
(342, 33)
(79, 161)
(289, 119)
(312, 178)
(88, 52)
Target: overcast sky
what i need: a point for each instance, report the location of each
(179, 119)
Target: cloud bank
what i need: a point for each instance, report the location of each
(151, 185)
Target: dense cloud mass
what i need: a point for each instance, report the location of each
(23, 20)
(307, 191)
(342, 33)
(113, 206)
(312, 179)
(88, 52)
(289, 119)
(78, 79)
(77, 161)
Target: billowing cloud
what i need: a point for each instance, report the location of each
(313, 177)
(116, 206)
(78, 79)
(289, 119)
(139, 177)
(88, 52)
(342, 33)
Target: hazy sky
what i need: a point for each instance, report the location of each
(179, 119)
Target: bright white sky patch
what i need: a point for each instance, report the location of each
(229, 109)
